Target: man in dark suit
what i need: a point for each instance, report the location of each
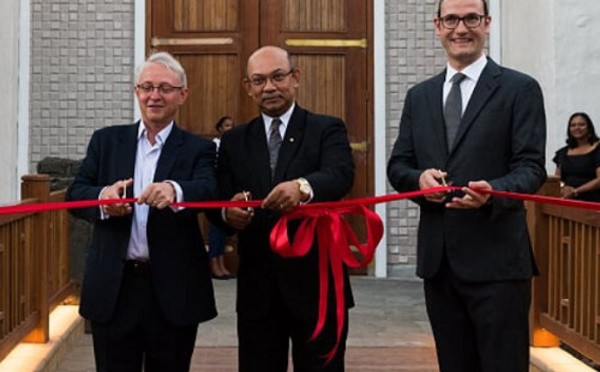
(277, 298)
(474, 251)
(147, 284)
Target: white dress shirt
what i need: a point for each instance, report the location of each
(472, 73)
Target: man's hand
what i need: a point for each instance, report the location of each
(284, 197)
(472, 199)
(158, 195)
(239, 218)
(117, 191)
(431, 178)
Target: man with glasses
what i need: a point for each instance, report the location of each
(147, 283)
(481, 127)
(286, 156)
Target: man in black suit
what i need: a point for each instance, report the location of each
(277, 298)
(474, 252)
(147, 284)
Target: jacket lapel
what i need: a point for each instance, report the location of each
(291, 141)
(126, 153)
(168, 154)
(258, 151)
(434, 97)
(485, 88)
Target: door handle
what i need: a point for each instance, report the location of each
(359, 146)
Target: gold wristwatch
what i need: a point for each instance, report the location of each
(304, 188)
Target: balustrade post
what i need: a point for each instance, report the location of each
(38, 186)
(538, 224)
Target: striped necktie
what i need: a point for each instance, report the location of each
(274, 143)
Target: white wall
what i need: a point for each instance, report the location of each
(555, 41)
(9, 50)
(577, 61)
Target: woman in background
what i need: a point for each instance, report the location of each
(578, 163)
(216, 237)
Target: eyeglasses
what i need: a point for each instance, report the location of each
(277, 77)
(162, 89)
(451, 21)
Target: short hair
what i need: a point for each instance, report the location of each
(166, 60)
(592, 137)
(221, 121)
(485, 8)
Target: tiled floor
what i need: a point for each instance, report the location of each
(388, 332)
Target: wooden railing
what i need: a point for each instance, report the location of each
(34, 266)
(566, 298)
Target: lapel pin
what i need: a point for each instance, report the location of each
(292, 139)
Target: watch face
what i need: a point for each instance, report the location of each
(304, 187)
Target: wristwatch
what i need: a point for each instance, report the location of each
(304, 188)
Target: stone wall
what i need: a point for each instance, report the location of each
(414, 54)
(82, 73)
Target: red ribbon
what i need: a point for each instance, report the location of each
(334, 237)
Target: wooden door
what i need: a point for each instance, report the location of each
(330, 41)
(212, 39)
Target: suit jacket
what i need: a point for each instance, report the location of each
(314, 147)
(179, 262)
(501, 139)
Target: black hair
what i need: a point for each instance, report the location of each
(592, 137)
(221, 121)
(485, 8)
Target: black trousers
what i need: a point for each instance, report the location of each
(138, 336)
(264, 343)
(481, 326)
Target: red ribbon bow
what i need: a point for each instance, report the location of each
(334, 237)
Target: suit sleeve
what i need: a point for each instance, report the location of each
(202, 185)
(527, 170)
(402, 166)
(335, 176)
(86, 184)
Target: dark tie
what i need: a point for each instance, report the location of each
(274, 143)
(453, 109)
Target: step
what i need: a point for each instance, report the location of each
(66, 328)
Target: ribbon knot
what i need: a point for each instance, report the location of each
(335, 237)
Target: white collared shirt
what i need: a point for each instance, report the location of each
(146, 159)
(472, 72)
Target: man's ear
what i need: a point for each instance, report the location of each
(296, 75)
(246, 84)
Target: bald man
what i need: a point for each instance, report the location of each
(302, 158)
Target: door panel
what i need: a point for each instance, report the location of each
(215, 80)
(212, 39)
(208, 15)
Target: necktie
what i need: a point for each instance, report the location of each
(453, 109)
(274, 143)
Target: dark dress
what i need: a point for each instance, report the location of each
(575, 170)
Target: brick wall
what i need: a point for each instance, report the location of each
(81, 74)
(413, 54)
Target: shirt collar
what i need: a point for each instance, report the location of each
(285, 118)
(161, 137)
(472, 71)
